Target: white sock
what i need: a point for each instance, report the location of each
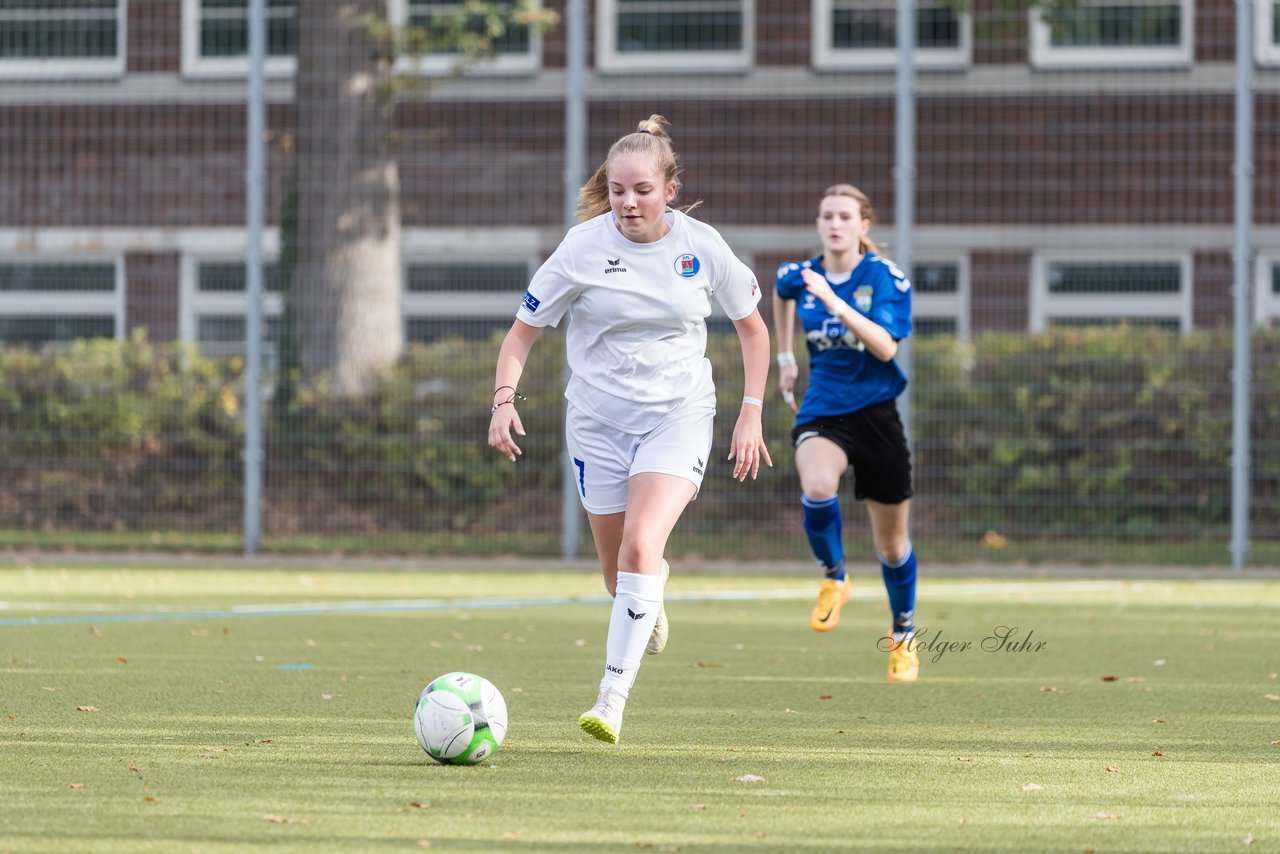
(635, 610)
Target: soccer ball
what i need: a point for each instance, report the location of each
(460, 719)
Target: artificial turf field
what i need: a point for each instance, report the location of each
(242, 710)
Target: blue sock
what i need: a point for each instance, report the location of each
(823, 527)
(900, 582)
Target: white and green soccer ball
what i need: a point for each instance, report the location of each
(460, 719)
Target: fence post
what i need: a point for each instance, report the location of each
(575, 170)
(904, 172)
(1242, 273)
(255, 179)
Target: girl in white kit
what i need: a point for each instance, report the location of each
(636, 279)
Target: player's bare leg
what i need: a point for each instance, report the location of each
(654, 504)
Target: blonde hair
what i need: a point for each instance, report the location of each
(650, 139)
(866, 244)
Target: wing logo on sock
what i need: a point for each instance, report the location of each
(633, 615)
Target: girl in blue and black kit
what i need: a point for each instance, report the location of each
(854, 307)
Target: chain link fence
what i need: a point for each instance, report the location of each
(1070, 397)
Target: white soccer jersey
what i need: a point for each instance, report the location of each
(637, 335)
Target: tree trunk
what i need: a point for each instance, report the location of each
(347, 279)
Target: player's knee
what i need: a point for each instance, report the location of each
(640, 555)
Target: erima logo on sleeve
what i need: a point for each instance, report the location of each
(531, 302)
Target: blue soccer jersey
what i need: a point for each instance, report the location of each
(843, 376)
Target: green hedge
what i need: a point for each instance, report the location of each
(1110, 435)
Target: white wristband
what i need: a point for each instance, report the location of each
(752, 401)
(786, 358)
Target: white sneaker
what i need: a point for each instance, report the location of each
(658, 640)
(604, 719)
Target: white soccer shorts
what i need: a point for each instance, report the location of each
(604, 458)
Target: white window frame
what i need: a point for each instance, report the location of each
(62, 68)
(1266, 303)
(195, 65)
(231, 247)
(18, 304)
(826, 56)
(1266, 51)
(1045, 55)
(486, 305)
(194, 303)
(609, 59)
(955, 305)
(1045, 307)
(435, 65)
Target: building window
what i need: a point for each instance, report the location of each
(1099, 34)
(467, 300)
(940, 298)
(517, 50)
(214, 306)
(1138, 291)
(55, 302)
(215, 38)
(62, 38)
(674, 35)
(1266, 292)
(863, 34)
(439, 300)
(1266, 31)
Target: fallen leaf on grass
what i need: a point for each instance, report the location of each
(509, 834)
(1157, 720)
(75, 785)
(707, 665)
(278, 819)
(965, 820)
(121, 659)
(1249, 840)
(1105, 816)
(135, 769)
(1113, 769)
(824, 696)
(87, 709)
(1032, 787)
(697, 807)
(199, 633)
(1110, 678)
(420, 805)
(748, 778)
(151, 799)
(424, 843)
(1157, 753)
(1275, 698)
(50, 690)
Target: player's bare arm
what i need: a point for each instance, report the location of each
(784, 324)
(875, 338)
(504, 419)
(747, 447)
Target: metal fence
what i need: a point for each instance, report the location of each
(1095, 300)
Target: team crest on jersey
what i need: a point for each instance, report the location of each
(862, 297)
(688, 265)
